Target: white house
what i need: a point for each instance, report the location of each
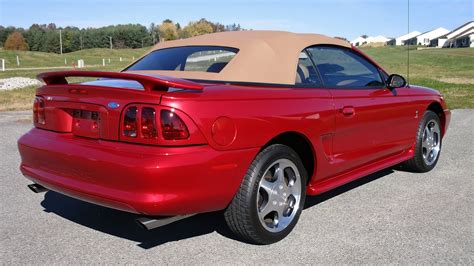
(361, 40)
(465, 39)
(459, 37)
(377, 39)
(425, 38)
(401, 40)
(358, 41)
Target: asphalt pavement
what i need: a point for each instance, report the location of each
(388, 217)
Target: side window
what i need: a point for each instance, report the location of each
(305, 72)
(341, 67)
(384, 76)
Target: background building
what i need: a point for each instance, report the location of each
(358, 41)
(361, 40)
(401, 40)
(426, 37)
(459, 37)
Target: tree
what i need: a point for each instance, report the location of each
(35, 37)
(51, 42)
(15, 41)
(154, 33)
(197, 28)
(45, 37)
(218, 27)
(4, 32)
(233, 27)
(168, 31)
(71, 39)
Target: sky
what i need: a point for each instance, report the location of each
(345, 18)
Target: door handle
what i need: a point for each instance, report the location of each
(348, 110)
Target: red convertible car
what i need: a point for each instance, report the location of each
(246, 122)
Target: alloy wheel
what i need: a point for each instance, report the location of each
(279, 195)
(431, 142)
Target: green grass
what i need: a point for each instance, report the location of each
(458, 96)
(427, 63)
(21, 99)
(92, 59)
(451, 71)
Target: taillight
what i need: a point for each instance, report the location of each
(130, 124)
(146, 129)
(156, 125)
(38, 111)
(172, 127)
(148, 123)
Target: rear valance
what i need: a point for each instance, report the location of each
(149, 83)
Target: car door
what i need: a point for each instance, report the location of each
(372, 121)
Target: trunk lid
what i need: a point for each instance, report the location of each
(94, 109)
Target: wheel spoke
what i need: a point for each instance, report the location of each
(281, 211)
(279, 175)
(426, 133)
(294, 189)
(284, 219)
(267, 186)
(428, 152)
(425, 144)
(436, 136)
(267, 208)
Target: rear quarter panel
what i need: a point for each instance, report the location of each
(261, 114)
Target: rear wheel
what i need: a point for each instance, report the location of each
(428, 144)
(270, 199)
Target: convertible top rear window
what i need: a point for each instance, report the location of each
(187, 58)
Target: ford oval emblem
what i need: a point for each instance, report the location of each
(113, 105)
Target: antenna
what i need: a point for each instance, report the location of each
(408, 47)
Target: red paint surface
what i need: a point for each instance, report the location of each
(352, 133)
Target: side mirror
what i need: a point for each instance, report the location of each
(396, 81)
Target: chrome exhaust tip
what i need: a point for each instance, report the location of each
(36, 188)
(152, 223)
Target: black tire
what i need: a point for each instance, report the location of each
(418, 164)
(242, 215)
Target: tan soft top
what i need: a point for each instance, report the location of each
(263, 57)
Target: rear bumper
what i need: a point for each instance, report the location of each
(141, 179)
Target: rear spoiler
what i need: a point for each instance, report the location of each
(149, 83)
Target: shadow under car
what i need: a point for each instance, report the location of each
(123, 225)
